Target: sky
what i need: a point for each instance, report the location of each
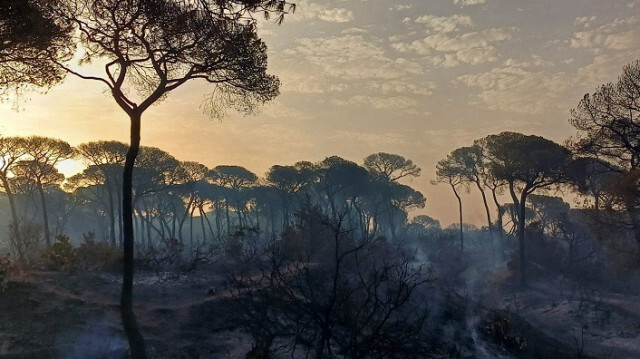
(418, 78)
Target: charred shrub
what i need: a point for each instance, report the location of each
(323, 289)
(61, 255)
(165, 257)
(5, 267)
(93, 255)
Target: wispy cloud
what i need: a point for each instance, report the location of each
(469, 2)
(352, 57)
(472, 48)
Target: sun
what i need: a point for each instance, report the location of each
(70, 167)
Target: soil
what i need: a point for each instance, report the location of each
(62, 315)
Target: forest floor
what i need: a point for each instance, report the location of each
(61, 315)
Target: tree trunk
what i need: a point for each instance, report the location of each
(213, 235)
(45, 217)
(489, 223)
(136, 341)
(120, 228)
(239, 213)
(184, 218)
(112, 219)
(204, 232)
(634, 216)
(514, 197)
(14, 218)
(191, 227)
(499, 221)
(218, 220)
(460, 215)
(226, 208)
(486, 208)
(521, 221)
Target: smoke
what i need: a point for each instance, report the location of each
(98, 339)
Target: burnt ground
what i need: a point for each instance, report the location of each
(61, 315)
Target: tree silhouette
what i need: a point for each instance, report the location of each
(527, 164)
(156, 46)
(391, 166)
(453, 171)
(472, 164)
(108, 158)
(591, 176)
(495, 185)
(189, 176)
(237, 179)
(44, 154)
(30, 37)
(289, 181)
(12, 149)
(608, 129)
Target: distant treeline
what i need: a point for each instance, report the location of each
(188, 201)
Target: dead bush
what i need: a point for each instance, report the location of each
(61, 255)
(93, 255)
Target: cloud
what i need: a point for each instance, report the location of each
(473, 48)
(374, 140)
(407, 104)
(604, 68)
(278, 110)
(399, 87)
(620, 34)
(352, 57)
(306, 10)
(518, 87)
(354, 30)
(401, 7)
(444, 24)
(533, 86)
(585, 21)
(469, 2)
(309, 84)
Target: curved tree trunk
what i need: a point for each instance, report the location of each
(213, 235)
(136, 341)
(489, 223)
(486, 208)
(45, 216)
(184, 218)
